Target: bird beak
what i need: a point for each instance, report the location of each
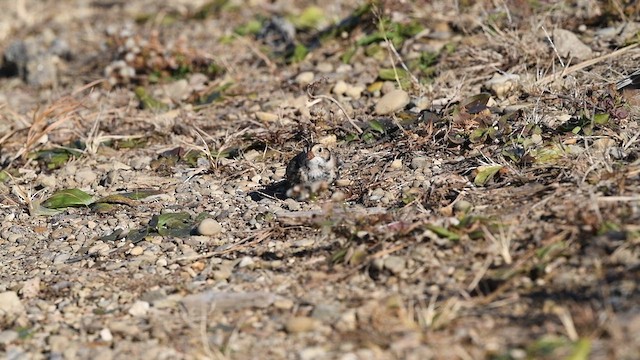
(310, 155)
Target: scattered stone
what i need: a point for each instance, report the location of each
(419, 162)
(139, 309)
(299, 324)
(284, 304)
(324, 67)
(462, 206)
(292, 204)
(303, 243)
(569, 45)
(10, 307)
(7, 337)
(395, 264)
(246, 262)
(136, 251)
(178, 90)
(502, 85)
(105, 335)
(396, 164)
(340, 88)
(305, 78)
(355, 91)
(266, 117)
(392, 101)
(30, 288)
(314, 353)
(86, 176)
(209, 227)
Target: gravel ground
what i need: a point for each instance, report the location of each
(487, 205)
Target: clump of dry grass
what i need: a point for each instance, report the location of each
(41, 125)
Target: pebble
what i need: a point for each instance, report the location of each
(8, 336)
(140, 162)
(299, 324)
(348, 321)
(502, 85)
(49, 181)
(419, 162)
(392, 101)
(30, 288)
(396, 164)
(340, 88)
(86, 176)
(303, 243)
(395, 264)
(99, 248)
(246, 261)
(139, 309)
(222, 274)
(10, 306)
(462, 206)
(265, 116)
(324, 67)
(105, 335)
(283, 304)
(305, 78)
(377, 194)
(292, 204)
(568, 44)
(136, 251)
(209, 227)
(178, 90)
(314, 353)
(355, 91)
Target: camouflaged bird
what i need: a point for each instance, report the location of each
(311, 171)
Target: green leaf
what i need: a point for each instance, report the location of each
(376, 126)
(252, 27)
(485, 174)
(174, 224)
(348, 55)
(299, 53)
(478, 135)
(581, 350)
(310, 18)
(476, 103)
(148, 102)
(68, 198)
(601, 119)
(140, 194)
(442, 232)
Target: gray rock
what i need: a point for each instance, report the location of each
(7, 337)
(395, 264)
(568, 44)
(10, 307)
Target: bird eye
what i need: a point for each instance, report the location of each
(320, 150)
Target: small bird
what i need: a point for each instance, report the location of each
(310, 171)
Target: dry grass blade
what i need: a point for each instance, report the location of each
(244, 243)
(46, 121)
(522, 265)
(566, 71)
